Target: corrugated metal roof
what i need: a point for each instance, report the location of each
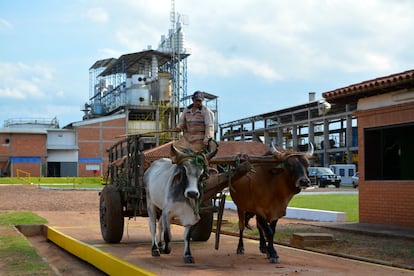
(372, 87)
(132, 63)
(103, 63)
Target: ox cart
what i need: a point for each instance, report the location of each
(124, 196)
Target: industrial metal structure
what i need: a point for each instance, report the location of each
(294, 127)
(149, 86)
(136, 93)
(139, 84)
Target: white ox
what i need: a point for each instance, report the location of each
(173, 193)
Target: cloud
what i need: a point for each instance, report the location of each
(32, 91)
(138, 38)
(105, 53)
(97, 15)
(266, 46)
(6, 25)
(214, 63)
(22, 81)
(60, 94)
(306, 42)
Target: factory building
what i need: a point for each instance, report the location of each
(139, 93)
(369, 124)
(331, 128)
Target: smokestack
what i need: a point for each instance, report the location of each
(154, 67)
(312, 96)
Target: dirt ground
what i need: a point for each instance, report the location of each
(58, 205)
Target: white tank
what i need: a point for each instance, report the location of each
(138, 79)
(165, 89)
(128, 82)
(138, 95)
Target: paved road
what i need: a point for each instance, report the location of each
(135, 248)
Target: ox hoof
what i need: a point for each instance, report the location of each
(166, 250)
(188, 259)
(155, 253)
(240, 251)
(274, 260)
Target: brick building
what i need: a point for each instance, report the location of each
(94, 137)
(22, 149)
(44, 149)
(385, 114)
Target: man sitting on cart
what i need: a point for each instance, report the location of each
(197, 124)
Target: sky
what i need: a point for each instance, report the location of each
(256, 56)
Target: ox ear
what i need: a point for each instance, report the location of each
(276, 154)
(179, 176)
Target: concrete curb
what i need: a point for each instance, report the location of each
(306, 214)
(101, 260)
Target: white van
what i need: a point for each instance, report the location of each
(346, 171)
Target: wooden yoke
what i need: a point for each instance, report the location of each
(217, 182)
(250, 159)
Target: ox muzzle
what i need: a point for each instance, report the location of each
(303, 182)
(192, 194)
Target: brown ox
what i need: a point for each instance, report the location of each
(267, 191)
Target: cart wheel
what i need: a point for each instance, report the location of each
(111, 215)
(202, 230)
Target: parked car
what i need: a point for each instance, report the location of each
(355, 180)
(322, 177)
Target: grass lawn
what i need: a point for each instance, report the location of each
(17, 256)
(347, 203)
(61, 182)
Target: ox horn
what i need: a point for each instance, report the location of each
(211, 152)
(309, 153)
(178, 153)
(276, 154)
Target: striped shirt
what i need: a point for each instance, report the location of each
(198, 126)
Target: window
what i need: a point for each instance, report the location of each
(389, 153)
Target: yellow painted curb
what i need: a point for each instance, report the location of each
(101, 260)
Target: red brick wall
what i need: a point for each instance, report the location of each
(35, 169)
(94, 139)
(27, 145)
(4, 147)
(4, 150)
(387, 202)
(384, 202)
